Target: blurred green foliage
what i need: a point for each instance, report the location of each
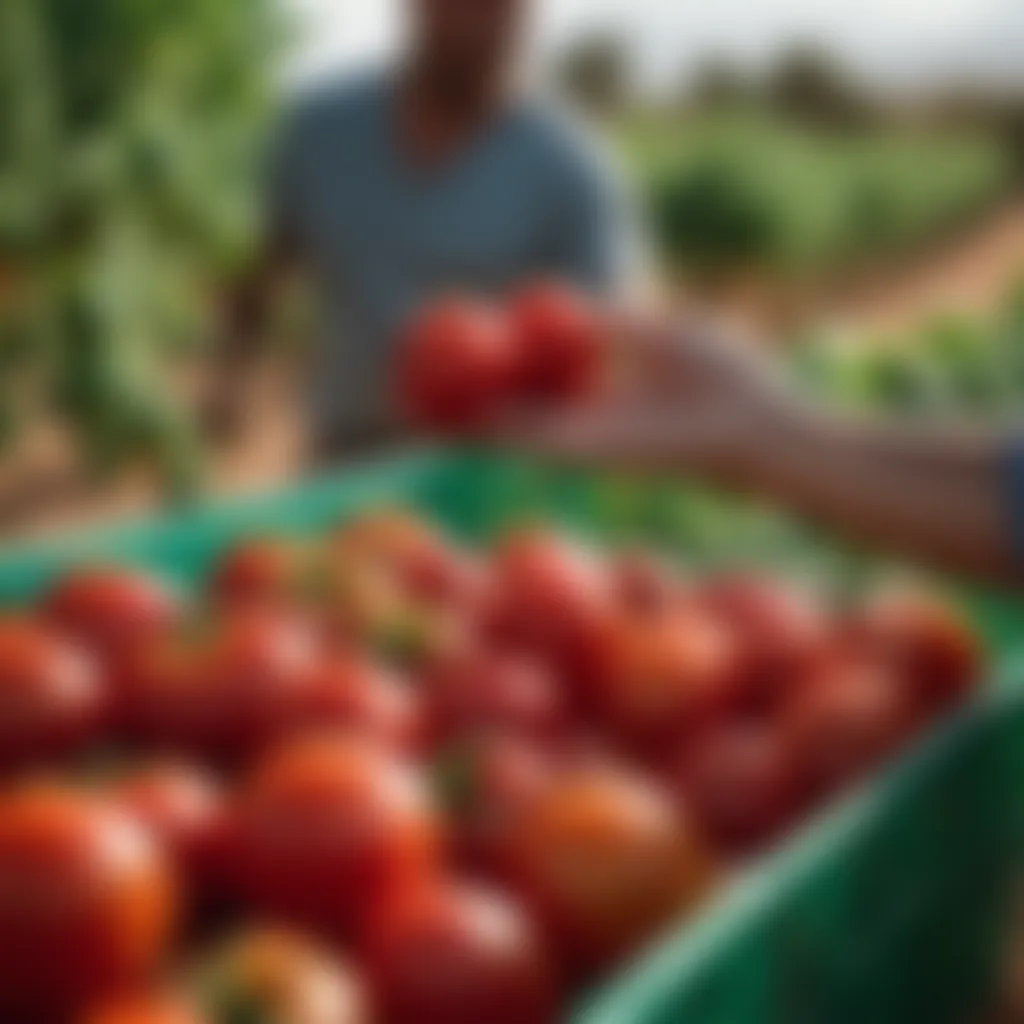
(952, 365)
(745, 190)
(127, 151)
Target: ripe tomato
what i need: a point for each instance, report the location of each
(52, 701)
(847, 719)
(146, 1008)
(184, 807)
(353, 694)
(324, 827)
(644, 583)
(743, 784)
(782, 630)
(274, 975)
(110, 609)
(664, 675)
(928, 641)
(553, 595)
(87, 903)
(491, 692)
(457, 365)
(483, 784)
(224, 695)
(604, 862)
(558, 335)
(449, 953)
(262, 571)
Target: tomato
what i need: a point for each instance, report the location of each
(52, 700)
(184, 807)
(324, 827)
(273, 975)
(558, 335)
(225, 694)
(352, 693)
(644, 583)
(111, 608)
(484, 783)
(457, 365)
(450, 953)
(782, 629)
(262, 571)
(604, 862)
(928, 641)
(847, 719)
(88, 905)
(664, 675)
(553, 594)
(743, 784)
(490, 692)
(147, 1008)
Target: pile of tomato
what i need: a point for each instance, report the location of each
(375, 776)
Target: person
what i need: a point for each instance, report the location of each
(439, 173)
(697, 399)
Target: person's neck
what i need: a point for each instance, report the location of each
(442, 109)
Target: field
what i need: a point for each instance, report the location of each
(743, 192)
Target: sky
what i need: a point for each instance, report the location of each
(891, 42)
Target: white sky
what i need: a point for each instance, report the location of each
(896, 41)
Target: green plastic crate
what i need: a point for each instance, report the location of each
(890, 906)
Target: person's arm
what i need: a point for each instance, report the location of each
(695, 401)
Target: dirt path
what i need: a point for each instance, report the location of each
(969, 274)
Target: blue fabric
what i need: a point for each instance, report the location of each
(529, 195)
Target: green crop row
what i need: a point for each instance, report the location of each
(748, 192)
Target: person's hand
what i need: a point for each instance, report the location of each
(684, 396)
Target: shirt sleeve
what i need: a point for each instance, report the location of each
(283, 180)
(1013, 490)
(598, 238)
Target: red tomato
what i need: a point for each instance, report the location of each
(225, 695)
(664, 675)
(605, 862)
(277, 976)
(449, 953)
(493, 692)
(325, 827)
(52, 701)
(484, 784)
(847, 719)
(261, 571)
(184, 807)
(457, 365)
(553, 596)
(87, 903)
(783, 631)
(928, 641)
(558, 334)
(350, 693)
(110, 609)
(147, 1008)
(644, 583)
(743, 784)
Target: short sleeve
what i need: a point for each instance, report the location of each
(284, 188)
(598, 238)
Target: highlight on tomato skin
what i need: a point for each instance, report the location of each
(324, 827)
(449, 952)
(54, 699)
(89, 904)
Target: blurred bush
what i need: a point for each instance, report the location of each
(127, 152)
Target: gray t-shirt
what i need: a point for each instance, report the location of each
(527, 196)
